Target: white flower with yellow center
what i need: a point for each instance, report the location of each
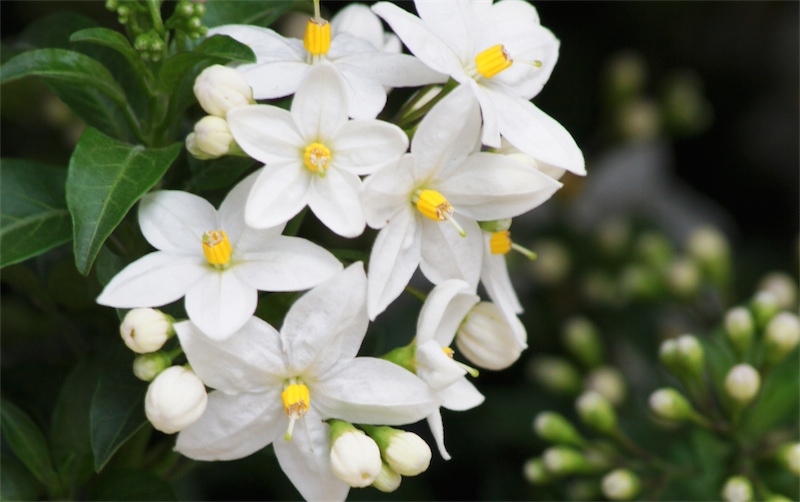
(359, 20)
(279, 388)
(428, 205)
(313, 155)
(283, 63)
(213, 259)
(504, 56)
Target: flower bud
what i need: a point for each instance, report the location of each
(211, 139)
(668, 355)
(564, 460)
(219, 89)
(553, 427)
(175, 399)
(742, 383)
(535, 472)
(740, 328)
(782, 286)
(683, 277)
(581, 339)
(737, 489)
(608, 382)
(147, 366)
(781, 336)
(387, 480)
(641, 282)
(555, 374)
(788, 456)
(488, 339)
(596, 411)
(406, 453)
(777, 497)
(620, 484)
(670, 405)
(690, 355)
(712, 251)
(355, 458)
(764, 306)
(146, 330)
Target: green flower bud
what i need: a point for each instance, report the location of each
(684, 277)
(691, 355)
(564, 460)
(626, 74)
(712, 251)
(555, 374)
(582, 341)
(668, 355)
(405, 357)
(640, 282)
(782, 286)
(596, 411)
(777, 497)
(609, 382)
(742, 383)
(406, 453)
(739, 327)
(184, 10)
(553, 427)
(781, 336)
(620, 484)
(495, 225)
(764, 306)
(199, 9)
(112, 5)
(147, 366)
(737, 489)
(535, 472)
(788, 456)
(670, 405)
(387, 480)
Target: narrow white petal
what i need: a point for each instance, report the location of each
(231, 214)
(319, 107)
(436, 368)
(396, 70)
(233, 426)
(336, 201)
(491, 124)
(373, 391)
(220, 304)
(153, 280)
(437, 429)
(366, 96)
(444, 310)
(266, 133)
(395, 256)
(279, 193)
(495, 278)
(365, 146)
(447, 255)
(388, 192)
(460, 396)
(175, 221)
(275, 79)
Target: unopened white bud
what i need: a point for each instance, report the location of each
(407, 454)
(764, 306)
(683, 277)
(788, 456)
(355, 458)
(737, 489)
(708, 244)
(535, 472)
(782, 286)
(670, 404)
(488, 339)
(147, 366)
(387, 480)
(739, 327)
(219, 88)
(608, 382)
(175, 399)
(145, 330)
(211, 138)
(781, 336)
(742, 383)
(620, 484)
(596, 411)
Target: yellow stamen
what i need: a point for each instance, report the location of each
(433, 205)
(217, 247)
(500, 242)
(448, 352)
(296, 400)
(316, 157)
(492, 61)
(317, 39)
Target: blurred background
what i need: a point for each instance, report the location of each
(687, 114)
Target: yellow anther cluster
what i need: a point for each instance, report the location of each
(217, 247)
(449, 352)
(500, 242)
(316, 157)
(317, 39)
(433, 205)
(492, 61)
(296, 399)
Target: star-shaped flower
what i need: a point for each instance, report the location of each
(280, 388)
(313, 155)
(213, 259)
(428, 205)
(504, 56)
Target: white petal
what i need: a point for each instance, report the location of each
(153, 280)
(279, 193)
(336, 201)
(248, 361)
(233, 426)
(437, 429)
(398, 70)
(360, 21)
(220, 304)
(175, 221)
(306, 460)
(328, 323)
(491, 124)
(365, 95)
(286, 264)
(447, 255)
(266, 133)
(453, 22)
(373, 391)
(388, 191)
(319, 107)
(365, 146)
(276, 79)
(444, 310)
(460, 396)
(494, 276)
(436, 368)
(231, 214)
(535, 53)
(395, 256)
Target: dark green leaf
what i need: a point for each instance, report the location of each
(132, 485)
(109, 38)
(264, 13)
(53, 31)
(28, 443)
(106, 177)
(33, 210)
(777, 401)
(16, 483)
(217, 173)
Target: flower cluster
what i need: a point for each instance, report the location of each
(479, 154)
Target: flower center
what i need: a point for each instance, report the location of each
(492, 61)
(500, 242)
(434, 206)
(316, 157)
(317, 39)
(217, 248)
(296, 400)
(469, 369)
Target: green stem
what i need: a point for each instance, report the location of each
(419, 295)
(410, 117)
(155, 14)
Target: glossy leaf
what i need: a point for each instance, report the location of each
(132, 485)
(263, 13)
(219, 49)
(33, 210)
(16, 482)
(109, 38)
(217, 173)
(106, 177)
(28, 443)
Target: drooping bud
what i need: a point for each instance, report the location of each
(355, 458)
(739, 327)
(609, 382)
(175, 399)
(737, 489)
(555, 374)
(220, 88)
(535, 472)
(406, 453)
(211, 139)
(387, 480)
(742, 383)
(488, 339)
(781, 336)
(670, 404)
(582, 340)
(147, 366)
(596, 411)
(145, 330)
(565, 460)
(553, 427)
(620, 484)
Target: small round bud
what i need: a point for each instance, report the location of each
(193, 23)
(582, 340)
(608, 382)
(553, 427)
(670, 404)
(387, 480)
(788, 456)
(147, 366)
(620, 484)
(145, 330)
(535, 472)
(708, 245)
(740, 328)
(782, 286)
(781, 336)
(626, 74)
(175, 399)
(737, 489)
(683, 277)
(555, 374)
(596, 411)
(219, 89)
(355, 457)
(742, 383)
(563, 461)
(184, 10)
(488, 339)
(764, 306)
(112, 5)
(199, 9)
(668, 355)
(406, 453)
(690, 354)
(211, 138)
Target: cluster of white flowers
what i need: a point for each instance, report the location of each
(481, 155)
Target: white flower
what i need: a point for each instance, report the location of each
(219, 88)
(145, 330)
(213, 259)
(313, 155)
(444, 180)
(504, 56)
(280, 388)
(283, 63)
(441, 314)
(489, 339)
(359, 20)
(175, 399)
